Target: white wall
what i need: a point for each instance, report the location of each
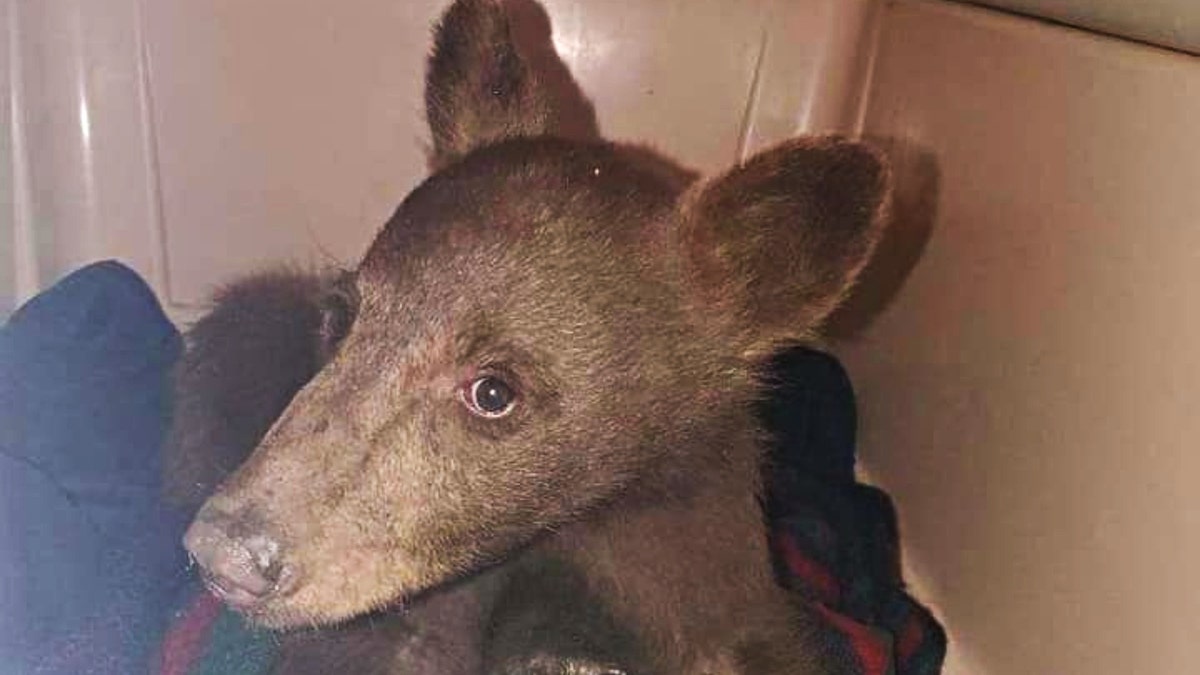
(8, 253)
(1029, 394)
(82, 174)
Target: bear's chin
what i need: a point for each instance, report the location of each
(302, 611)
(281, 617)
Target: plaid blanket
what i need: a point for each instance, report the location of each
(824, 549)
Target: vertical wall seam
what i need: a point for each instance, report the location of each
(26, 266)
(150, 159)
(866, 84)
(753, 94)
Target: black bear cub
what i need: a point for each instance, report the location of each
(522, 431)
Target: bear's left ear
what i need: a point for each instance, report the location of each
(773, 245)
(479, 88)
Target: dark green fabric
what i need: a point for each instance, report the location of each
(236, 649)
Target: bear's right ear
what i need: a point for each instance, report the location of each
(478, 87)
(771, 247)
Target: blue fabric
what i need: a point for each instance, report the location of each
(89, 557)
(811, 414)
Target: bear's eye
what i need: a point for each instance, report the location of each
(489, 396)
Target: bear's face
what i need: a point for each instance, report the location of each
(544, 330)
(520, 352)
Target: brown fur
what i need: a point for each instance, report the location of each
(244, 361)
(630, 317)
(494, 75)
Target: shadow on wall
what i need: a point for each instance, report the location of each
(917, 182)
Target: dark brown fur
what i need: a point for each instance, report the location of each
(243, 363)
(619, 495)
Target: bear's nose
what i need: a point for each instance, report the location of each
(243, 569)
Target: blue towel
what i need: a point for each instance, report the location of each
(90, 560)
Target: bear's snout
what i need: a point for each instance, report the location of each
(241, 564)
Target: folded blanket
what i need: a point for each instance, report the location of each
(90, 560)
(835, 541)
(822, 551)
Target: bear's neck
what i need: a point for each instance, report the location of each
(687, 569)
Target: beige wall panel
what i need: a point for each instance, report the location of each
(1172, 23)
(78, 147)
(1029, 395)
(284, 130)
(8, 205)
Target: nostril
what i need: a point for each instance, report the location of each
(263, 551)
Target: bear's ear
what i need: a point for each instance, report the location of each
(774, 244)
(479, 88)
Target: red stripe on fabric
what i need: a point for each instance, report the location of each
(189, 635)
(808, 570)
(872, 649)
(911, 637)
